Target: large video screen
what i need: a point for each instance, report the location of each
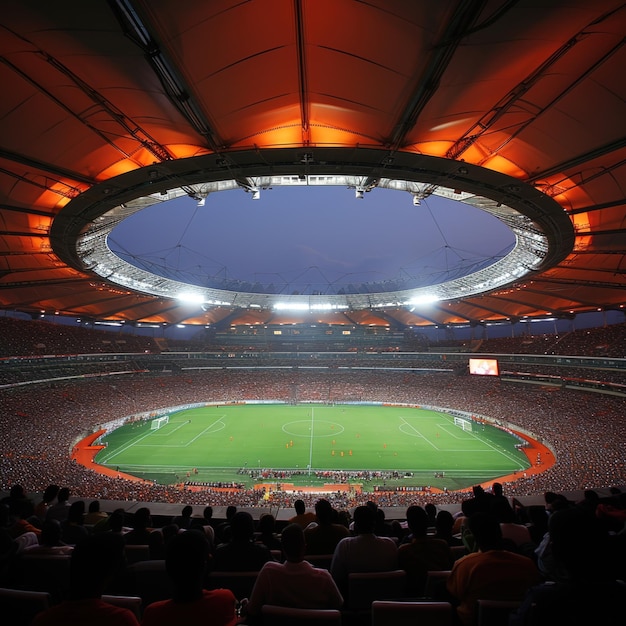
(484, 367)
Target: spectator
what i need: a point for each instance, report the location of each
(50, 541)
(186, 563)
(323, 537)
(183, 521)
(241, 553)
(443, 528)
(73, 528)
(60, 510)
(96, 561)
(588, 592)
(223, 531)
(364, 552)
(140, 534)
(49, 494)
(302, 517)
(424, 553)
(266, 534)
(294, 583)
(94, 514)
(491, 573)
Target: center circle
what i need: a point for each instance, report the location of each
(302, 428)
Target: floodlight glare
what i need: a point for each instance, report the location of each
(191, 298)
(425, 299)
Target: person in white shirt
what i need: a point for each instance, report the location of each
(365, 552)
(294, 583)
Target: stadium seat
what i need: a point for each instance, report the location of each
(240, 583)
(44, 572)
(365, 587)
(495, 612)
(21, 606)
(319, 560)
(132, 603)
(136, 553)
(285, 616)
(149, 581)
(389, 613)
(435, 586)
(458, 551)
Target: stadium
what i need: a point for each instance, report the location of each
(132, 106)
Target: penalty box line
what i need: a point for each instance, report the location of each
(418, 433)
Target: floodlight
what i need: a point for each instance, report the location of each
(191, 298)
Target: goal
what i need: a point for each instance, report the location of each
(463, 423)
(159, 421)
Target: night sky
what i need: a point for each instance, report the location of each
(311, 239)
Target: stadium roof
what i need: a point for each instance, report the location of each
(512, 106)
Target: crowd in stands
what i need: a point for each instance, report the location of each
(542, 560)
(31, 338)
(20, 337)
(606, 341)
(39, 426)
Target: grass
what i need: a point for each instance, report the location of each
(215, 443)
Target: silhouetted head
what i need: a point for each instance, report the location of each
(580, 544)
(51, 532)
(444, 522)
(242, 526)
(417, 520)
(324, 511)
(364, 519)
(76, 512)
(299, 506)
(186, 558)
(267, 523)
(50, 493)
(142, 518)
(293, 543)
(486, 531)
(96, 560)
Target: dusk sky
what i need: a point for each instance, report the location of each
(313, 238)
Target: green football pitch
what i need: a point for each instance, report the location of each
(405, 446)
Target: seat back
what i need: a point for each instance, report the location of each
(44, 572)
(148, 580)
(132, 603)
(319, 560)
(285, 616)
(495, 612)
(136, 552)
(365, 587)
(389, 613)
(240, 583)
(458, 551)
(435, 586)
(22, 606)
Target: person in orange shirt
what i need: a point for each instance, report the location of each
(491, 573)
(302, 517)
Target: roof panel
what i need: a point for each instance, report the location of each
(534, 91)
